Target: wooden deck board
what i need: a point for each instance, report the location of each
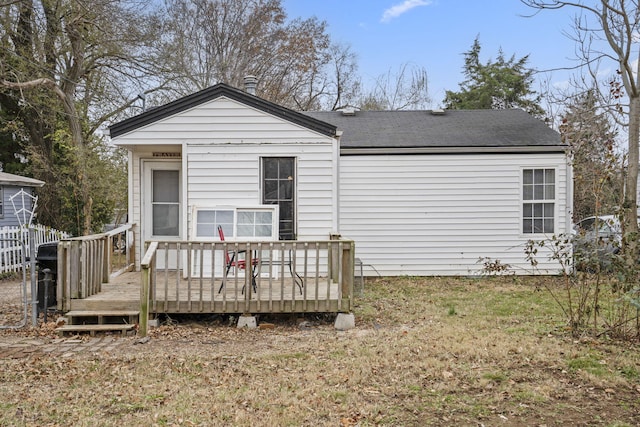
(202, 296)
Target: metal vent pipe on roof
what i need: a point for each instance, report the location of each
(250, 83)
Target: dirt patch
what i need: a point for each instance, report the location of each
(424, 352)
(13, 294)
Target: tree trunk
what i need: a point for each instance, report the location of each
(630, 208)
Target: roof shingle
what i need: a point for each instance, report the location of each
(497, 129)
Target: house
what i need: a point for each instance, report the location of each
(420, 192)
(16, 199)
(440, 192)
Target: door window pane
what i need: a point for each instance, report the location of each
(165, 219)
(165, 202)
(166, 186)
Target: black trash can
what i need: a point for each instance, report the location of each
(47, 257)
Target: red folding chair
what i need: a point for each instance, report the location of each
(240, 263)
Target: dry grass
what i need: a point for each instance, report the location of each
(425, 351)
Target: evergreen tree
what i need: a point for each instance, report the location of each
(597, 173)
(500, 84)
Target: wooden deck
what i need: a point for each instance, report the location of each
(197, 277)
(181, 295)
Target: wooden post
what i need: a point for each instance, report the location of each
(61, 280)
(348, 264)
(130, 244)
(144, 300)
(248, 276)
(334, 259)
(146, 265)
(106, 258)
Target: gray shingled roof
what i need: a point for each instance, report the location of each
(19, 181)
(455, 130)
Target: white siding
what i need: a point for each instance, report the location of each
(221, 143)
(438, 214)
(219, 120)
(229, 174)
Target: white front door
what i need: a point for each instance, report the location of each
(162, 204)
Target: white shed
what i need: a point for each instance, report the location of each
(419, 193)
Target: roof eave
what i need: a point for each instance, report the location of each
(22, 183)
(353, 151)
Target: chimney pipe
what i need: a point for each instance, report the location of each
(250, 83)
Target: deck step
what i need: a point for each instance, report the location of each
(101, 317)
(95, 313)
(93, 321)
(92, 329)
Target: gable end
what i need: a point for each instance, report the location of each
(215, 92)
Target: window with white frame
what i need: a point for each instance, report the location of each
(244, 223)
(208, 220)
(538, 196)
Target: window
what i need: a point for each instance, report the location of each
(207, 222)
(278, 188)
(538, 195)
(253, 223)
(248, 223)
(166, 202)
(1, 202)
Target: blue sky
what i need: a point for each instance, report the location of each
(434, 34)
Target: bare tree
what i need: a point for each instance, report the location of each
(335, 84)
(401, 90)
(226, 40)
(65, 67)
(607, 30)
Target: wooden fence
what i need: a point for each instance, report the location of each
(11, 256)
(85, 263)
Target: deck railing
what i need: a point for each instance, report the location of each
(85, 263)
(278, 277)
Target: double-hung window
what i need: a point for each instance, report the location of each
(538, 200)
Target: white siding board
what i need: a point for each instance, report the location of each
(230, 174)
(219, 120)
(432, 215)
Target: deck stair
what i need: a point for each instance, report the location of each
(93, 321)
